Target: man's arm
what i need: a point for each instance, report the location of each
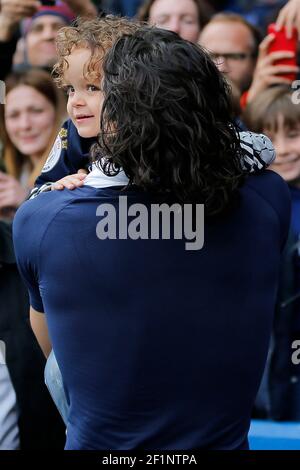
(40, 330)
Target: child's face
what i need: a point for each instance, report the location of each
(85, 98)
(286, 142)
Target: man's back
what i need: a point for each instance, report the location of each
(159, 347)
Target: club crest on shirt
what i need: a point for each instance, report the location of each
(60, 143)
(63, 133)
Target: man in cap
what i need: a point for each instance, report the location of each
(39, 25)
(40, 31)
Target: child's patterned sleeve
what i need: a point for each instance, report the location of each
(259, 152)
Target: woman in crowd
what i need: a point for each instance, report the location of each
(31, 119)
(185, 18)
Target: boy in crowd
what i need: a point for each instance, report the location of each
(276, 112)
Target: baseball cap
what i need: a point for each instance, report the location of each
(62, 10)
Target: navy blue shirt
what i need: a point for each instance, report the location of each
(159, 347)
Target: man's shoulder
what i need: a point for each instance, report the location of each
(57, 212)
(45, 207)
(37, 213)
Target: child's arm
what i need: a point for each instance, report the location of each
(258, 150)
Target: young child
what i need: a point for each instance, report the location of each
(276, 113)
(81, 50)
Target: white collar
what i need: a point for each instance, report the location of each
(97, 179)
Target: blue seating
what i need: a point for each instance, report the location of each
(273, 435)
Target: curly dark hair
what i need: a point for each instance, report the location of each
(167, 120)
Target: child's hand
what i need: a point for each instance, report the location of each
(70, 181)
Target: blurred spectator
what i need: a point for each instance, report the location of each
(276, 113)
(31, 120)
(39, 24)
(28, 418)
(40, 31)
(184, 17)
(267, 72)
(233, 43)
(19, 55)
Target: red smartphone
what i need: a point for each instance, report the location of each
(282, 43)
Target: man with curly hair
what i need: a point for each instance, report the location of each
(159, 347)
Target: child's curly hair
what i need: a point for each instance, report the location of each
(97, 34)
